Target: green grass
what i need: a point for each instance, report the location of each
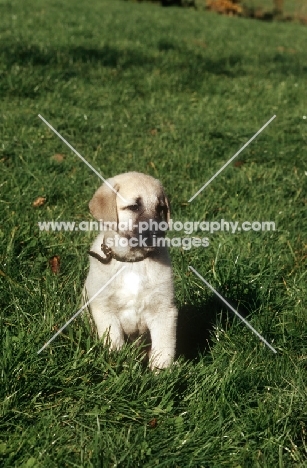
(173, 93)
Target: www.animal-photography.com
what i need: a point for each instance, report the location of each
(153, 253)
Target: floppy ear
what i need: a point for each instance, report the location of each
(103, 204)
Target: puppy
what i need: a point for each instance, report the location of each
(140, 299)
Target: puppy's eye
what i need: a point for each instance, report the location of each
(132, 208)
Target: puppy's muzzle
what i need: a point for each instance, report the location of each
(151, 237)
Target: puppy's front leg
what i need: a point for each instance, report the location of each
(108, 326)
(163, 338)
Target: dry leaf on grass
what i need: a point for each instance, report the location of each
(58, 157)
(153, 423)
(54, 263)
(39, 202)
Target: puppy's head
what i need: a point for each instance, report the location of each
(142, 209)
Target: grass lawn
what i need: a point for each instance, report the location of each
(173, 93)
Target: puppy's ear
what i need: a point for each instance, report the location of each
(103, 204)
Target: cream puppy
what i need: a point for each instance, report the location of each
(140, 300)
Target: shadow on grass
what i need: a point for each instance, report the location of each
(23, 55)
(183, 64)
(196, 324)
(109, 56)
(195, 328)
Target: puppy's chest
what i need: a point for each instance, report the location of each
(132, 284)
(132, 303)
(134, 291)
(133, 288)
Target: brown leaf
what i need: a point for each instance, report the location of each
(54, 263)
(153, 423)
(238, 163)
(39, 202)
(58, 158)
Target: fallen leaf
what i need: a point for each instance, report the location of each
(153, 423)
(58, 157)
(39, 202)
(54, 263)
